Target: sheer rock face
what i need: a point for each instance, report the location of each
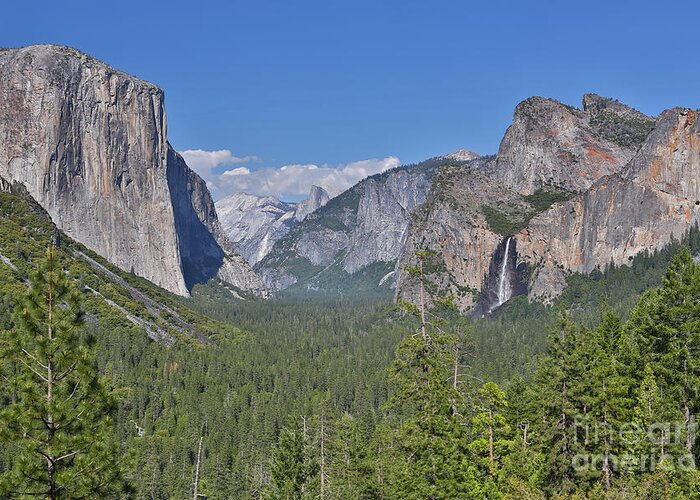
(654, 199)
(549, 147)
(383, 213)
(254, 223)
(90, 144)
(205, 250)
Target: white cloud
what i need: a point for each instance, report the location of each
(296, 180)
(282, 182)
(204, 162)
(236, 171)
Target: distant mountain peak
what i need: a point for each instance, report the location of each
(245, 201)
(356, 238)
(316, 199)
(254, 223)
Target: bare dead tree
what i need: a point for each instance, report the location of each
(196, 476)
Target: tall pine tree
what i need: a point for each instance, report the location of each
(58, 423)
(556, 378)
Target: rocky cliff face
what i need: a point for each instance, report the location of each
(254, 223)
(90, 144)
(549, 153)
(205, 250)
(363, 228)
(550, 144)
(654, 199)
(383, 212)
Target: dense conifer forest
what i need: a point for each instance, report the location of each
(592, 397)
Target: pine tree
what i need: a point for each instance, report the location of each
(288, 473)
(431, 459)
(523, 465)
(492, 434)
(58, 424)
(351, 471)
(521, 411)
(602, 398)
(607, 403)
(556, 374)
(382, 449)
(647, 411)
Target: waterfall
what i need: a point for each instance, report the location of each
(504, 279)
(505, 289)
(504, 283)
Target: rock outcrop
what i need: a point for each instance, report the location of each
(452, 224)
(316, 199)
(90, 144)
(550, 144)
(254, 223)
(5, 186)
(550, 153)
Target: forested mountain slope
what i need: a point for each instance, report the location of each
(112, 297)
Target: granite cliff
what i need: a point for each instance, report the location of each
(550, 144)
(317, 198)
(90, 144)
(654, 199)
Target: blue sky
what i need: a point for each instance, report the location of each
(323, 85)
